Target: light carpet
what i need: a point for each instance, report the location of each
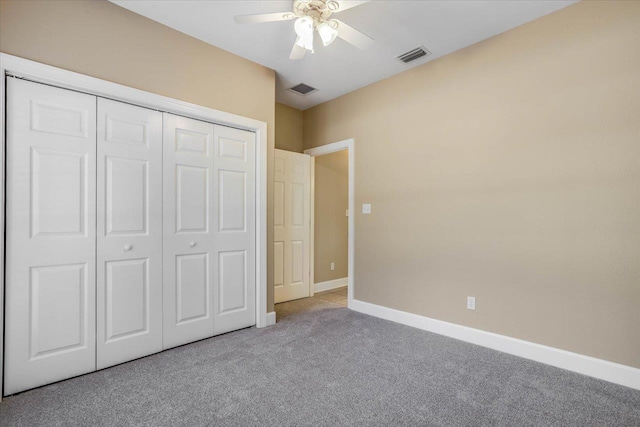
(325, 365)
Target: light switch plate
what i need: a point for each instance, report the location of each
(366, 208)
(471, 303)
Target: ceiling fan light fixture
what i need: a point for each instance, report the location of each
(327, 33)
(304, 26)
(304, 30)
(306, 45)
(300, 42)
(312, 15)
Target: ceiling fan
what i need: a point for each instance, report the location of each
(315, 15)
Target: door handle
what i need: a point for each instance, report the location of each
(127, 248)
(192, 244)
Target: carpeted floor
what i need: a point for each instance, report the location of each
(326, 366)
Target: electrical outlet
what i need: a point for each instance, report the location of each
(471, 303)
(333, 266)
(366, 208)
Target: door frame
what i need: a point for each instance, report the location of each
(41, 73)
(350, 146)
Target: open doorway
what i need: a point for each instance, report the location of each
(347, 146)
(328, 214)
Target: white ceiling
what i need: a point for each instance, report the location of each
(397, 26)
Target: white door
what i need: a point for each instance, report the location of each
(50, 237)
(235, 229)
(129, 232)
(189, 224)
(291, 225)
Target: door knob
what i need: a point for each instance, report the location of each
(127, 248)
(192, 244)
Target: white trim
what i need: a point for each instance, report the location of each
(261, 226)
(613, 372)
(347, 144)
(271, 318)
(42, 73)
(2, 243)
(331, 284)
(312, 225)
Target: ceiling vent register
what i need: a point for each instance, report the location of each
(414, 54)
(302, 89)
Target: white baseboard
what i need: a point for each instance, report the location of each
(271, 318)
(330, 284)
(586, 365)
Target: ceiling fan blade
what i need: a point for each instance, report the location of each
(297, 52)
(353, 36)
(348, 4)
(264, 17)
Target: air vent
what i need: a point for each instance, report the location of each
(414, 54)
(302, 89)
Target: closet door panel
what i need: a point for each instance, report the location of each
(129, 223)
(192, 199)
(127, 299)
(234, 183)
(188, 235)
(50, 235)
(126, 195)
(192, 288)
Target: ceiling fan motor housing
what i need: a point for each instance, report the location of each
(318, 10)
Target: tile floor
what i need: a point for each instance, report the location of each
(335, 297)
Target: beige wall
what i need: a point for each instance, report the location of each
(509, 171)
(288, 128)
(331, 225)
(101, 39)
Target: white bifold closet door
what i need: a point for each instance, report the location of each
(209, 229)
(234, 281)
(189, 219)
(129, 232)
(50, 235)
